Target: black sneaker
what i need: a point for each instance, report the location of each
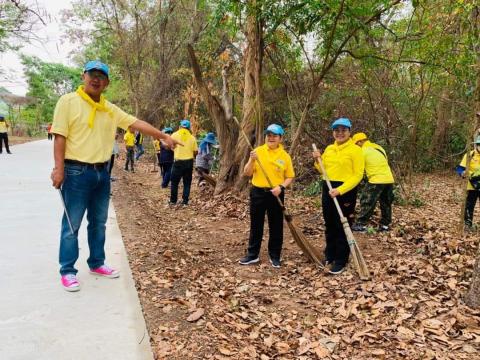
(383, 228)
(249, 259)
(275, 263)
(358, 227)
(336, 269)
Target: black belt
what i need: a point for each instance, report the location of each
(266, 189)
(98, 166)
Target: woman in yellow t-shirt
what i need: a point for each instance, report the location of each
(4, 135)
(473, 187)
(129, 139)
(344, 165)
(263, 196)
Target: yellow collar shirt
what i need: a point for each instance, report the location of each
(343, 163)
(88, 143)
(474, 166)
(3, 127)
(185, 152)
(129, 139)
(277, 164)
(376, 164)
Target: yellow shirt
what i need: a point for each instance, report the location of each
(156, 145)
(474, 166)
(84, 143)
(3, 126)
(189, 142)
(343, 163)
(276, 163)
(376, 164)
(129, 138)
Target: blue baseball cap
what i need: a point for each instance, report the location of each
(185, 124)
(275, 129)
(210, 138)
(168, 130)
(2, 117)
(96, 65)
(341, 122)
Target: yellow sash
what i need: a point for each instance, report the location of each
(100, 106)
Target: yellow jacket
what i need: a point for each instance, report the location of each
(474, 167)
(376, 164)
(343, 163)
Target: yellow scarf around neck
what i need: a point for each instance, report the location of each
(100, 106)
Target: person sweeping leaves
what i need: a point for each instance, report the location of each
(473, 187)
(278, 166)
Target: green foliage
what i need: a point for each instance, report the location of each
(47, 82)
(314, 188)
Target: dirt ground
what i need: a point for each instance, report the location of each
(199, 303)
(15, 140)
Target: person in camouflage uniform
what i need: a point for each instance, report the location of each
(379, 187)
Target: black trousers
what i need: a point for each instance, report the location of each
(337, 248)
(472, 196)
(130, 157)
(262, 201)
(181, 170)
(4, 138)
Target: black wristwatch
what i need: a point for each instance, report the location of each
(282, 187)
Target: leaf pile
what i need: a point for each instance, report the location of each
(200, 304)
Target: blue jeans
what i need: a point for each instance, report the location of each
(166, 170)
(140, 151)
(84, 189)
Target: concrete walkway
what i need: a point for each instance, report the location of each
(38, 319)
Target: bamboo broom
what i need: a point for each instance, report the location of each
(358, 260)
(302, 242)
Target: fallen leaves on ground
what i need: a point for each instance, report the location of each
(200, 304)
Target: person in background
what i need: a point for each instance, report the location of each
(264, 198)
(183, 162)
(344, 165)
(129, 139)
(139, 145)
(379, 187)
(473, 186)
(115, 152)
(204, 158)
(84, 125)
(165, 160)
(4, 134)
(49, 133)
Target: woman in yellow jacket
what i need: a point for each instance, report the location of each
(263, 195)
(344, 165)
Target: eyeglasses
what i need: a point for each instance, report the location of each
(97, 75)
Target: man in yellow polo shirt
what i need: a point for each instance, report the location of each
(263, 197)
(183, 162)
(84, 125)
(379, 186)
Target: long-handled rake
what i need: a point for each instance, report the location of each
(358, 260)
(302, 242)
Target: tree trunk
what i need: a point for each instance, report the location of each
(252, 109)
(227, 131)
(472, 298)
